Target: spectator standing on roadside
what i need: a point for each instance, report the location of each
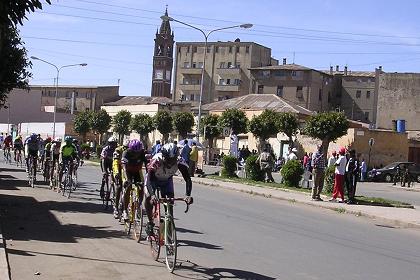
(305, 160)
(193, 158)
(266, 162)
(292, 155)
(156, 148)
(318, 171)
(352, 173)
(363, 170)
(340, 170)
(332, 159)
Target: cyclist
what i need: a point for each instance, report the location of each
(41, 151)
(79, 151)
(106, 161)
(132, 162)
(7, 144)
(47, 154)
(31, 150)
(117, 174)
(55, 155)
(160, 171)
(18, 146)
(68, 153)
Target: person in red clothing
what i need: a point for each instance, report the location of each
(340, 170)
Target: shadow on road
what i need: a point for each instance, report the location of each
(185, 230)
(214, 273)
(197, 244)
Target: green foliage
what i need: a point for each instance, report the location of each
(100, 121)
(292, 172)
(264, 125)
(15, 11)
(183, 123)
(85, 146)
(253, 170)
(162, 121)
(82, 123)
(13, 62)
(121, 122)
(235, 119)
(288, 124)
(329, 180)
(142, 124)
(327, 126)
(210, 122)
(229, 166)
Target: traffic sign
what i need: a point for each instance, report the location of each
(226, 131)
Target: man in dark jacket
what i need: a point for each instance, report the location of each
(352, 173)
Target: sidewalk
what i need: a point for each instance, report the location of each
(4, 264)
(403, 217)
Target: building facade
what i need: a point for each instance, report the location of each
(309, 88)
(226, 73)
(163, 60)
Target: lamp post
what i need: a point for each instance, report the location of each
(56, 82)
(206, 36)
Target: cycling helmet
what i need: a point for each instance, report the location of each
(58, 139)
(112, 139)
(126, 143)
(48, 139)
(33, 136)
(135, 145)
(68, 139)
(169, 150)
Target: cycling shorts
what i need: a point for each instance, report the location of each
(166, 187)
(32, 153)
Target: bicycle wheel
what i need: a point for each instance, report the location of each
(155, 240)
(170, 243)
(138, 216)
(130, 211)
(33, 175)
(69, 184)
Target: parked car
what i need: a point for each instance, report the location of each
(387, 173)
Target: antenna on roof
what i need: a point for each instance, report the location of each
(118, 82)
(293, 58)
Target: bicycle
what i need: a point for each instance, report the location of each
(46, 171)
(135, 212)
(7, 155)
(31, 171)
(164, 231)
(106, 194)
(68, 178)
(18, 155)
(75, 177)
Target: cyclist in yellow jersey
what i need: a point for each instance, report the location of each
(118, 175)
(68, 153)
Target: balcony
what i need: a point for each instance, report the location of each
(190, 71)
(227, 87)
(228, 71)
(191, 87)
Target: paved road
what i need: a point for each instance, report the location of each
(226, 235)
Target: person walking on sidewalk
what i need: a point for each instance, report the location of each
(318, 171)
(193, 158)
(340, 170)
(363, 170)
(266, 162)
(352, 172)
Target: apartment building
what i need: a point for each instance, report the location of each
(226, 74)
(309, 88)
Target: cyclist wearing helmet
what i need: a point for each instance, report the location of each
(132, 167)
(68, 153)
(106, 160)
(160, 172)
(47, 153)
(31, 150)
(118, 175)
(55, 155)
(18, 145)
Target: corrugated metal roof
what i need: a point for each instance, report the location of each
(257, 102)
(369, 74)
(292, 67)
(139, 100)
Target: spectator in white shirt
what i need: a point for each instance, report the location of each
(292, 155)
(332, 159)
(340, 170)
(363, 170)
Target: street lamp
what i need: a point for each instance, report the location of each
(56, 82)
(206, 36)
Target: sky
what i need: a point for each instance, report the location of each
(116, 37)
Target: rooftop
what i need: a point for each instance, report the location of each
(257, 102)
(139, 100)
(352, 73)
(68, 86)
(220, 43)
(292, 67)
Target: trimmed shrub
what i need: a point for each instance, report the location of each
(329, 180)
(229, 166)
(292, 173)
(253, 170)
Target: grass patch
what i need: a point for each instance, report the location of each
(257, 183)
(378, 201)
(340, 210)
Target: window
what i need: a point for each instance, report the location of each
(208, 49)
(279, 91)
(238, 64)
(192, 97)
(320, 95)
(200, 65)
(194, 65)
(194, 49)
(159, 74)
(237, 49)
(222, 82)
(216, 49)
(230, 49)
(179, 50)
(168, 75)
(219, 98)
(158, 63)
(368, 94)
(222, 65)
(358, 93)
(186, 65)
(237, 82)
(185, 81)
(299, 92)
(279, 73)
(229, 65)
(228, 81)
(247, 49)
(188, 49)
(366, 116)
(293, 73)
(260, 89)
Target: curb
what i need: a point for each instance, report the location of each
(309, 203)
(4, 262)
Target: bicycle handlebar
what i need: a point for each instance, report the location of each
(166, 200)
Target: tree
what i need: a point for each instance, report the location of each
(143, 125)
(264, 125)
(82, 123)
(327, 127)
(234, 119)
(100, 122)
(162, 121)
(211, 125)
(13, 60)
(288, 124)
(183, 123)
(121, 122)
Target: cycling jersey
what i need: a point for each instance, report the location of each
(31, 145)
(133, 160)
(8, 141)
(68, 151)
(116, 159)
(159, 175)
(107, 152)
(47, 150)
(18, 144)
